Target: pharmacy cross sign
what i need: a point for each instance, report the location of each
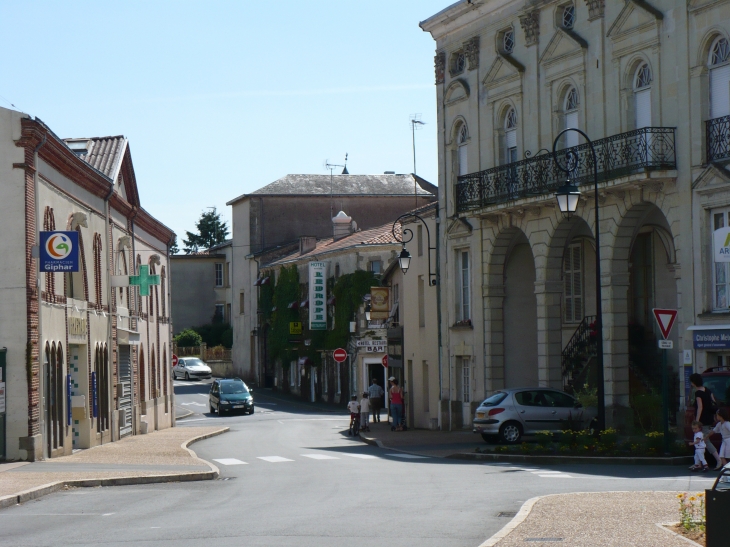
(144, 280)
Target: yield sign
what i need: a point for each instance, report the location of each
(665, 320)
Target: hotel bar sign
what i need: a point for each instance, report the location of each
(317, 296)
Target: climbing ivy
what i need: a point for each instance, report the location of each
(287, 291)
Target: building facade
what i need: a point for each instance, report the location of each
(87, 360)
(648, 83)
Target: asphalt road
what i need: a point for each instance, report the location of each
(291, 476)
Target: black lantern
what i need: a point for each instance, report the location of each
(567, 197)
(404, 259)
(367, 311)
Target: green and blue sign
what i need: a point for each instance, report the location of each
(59, 251)
(711, 339)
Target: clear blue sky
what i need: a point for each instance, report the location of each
(220, 98)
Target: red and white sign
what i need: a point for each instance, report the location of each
(339, 355)
(174, 360)
(665, 320)
(385, 361)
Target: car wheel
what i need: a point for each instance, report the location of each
(491, 439)
(510, 432)
(251, 411)
(187, 376)
(220, 411)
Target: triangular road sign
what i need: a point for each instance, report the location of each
(665, 320)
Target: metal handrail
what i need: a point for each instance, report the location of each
(580, 344)
(718, 139)
(648, 148)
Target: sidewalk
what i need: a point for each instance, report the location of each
(161, 456)
(605, 519)
(440, 444)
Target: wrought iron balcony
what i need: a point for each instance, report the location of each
(646, 149)
(718, 139)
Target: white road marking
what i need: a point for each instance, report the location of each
(361, 456)
(546, 472)
(270, 404)
(229, 461)
(194, 404)
(408, 456)
(556, 476)
(320, 457)
(107, 514)
(274, 459)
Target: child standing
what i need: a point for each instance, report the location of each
(699, 444)
(365, 412)
(723, 428)
(354, 409)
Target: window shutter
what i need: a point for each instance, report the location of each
(568, 288)
(577, 283)
(511, 138)
(462, 160)
(571, 120)
(573, 283)
(720, 92)
(642, 104)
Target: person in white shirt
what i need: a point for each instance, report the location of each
(365, 412)
(699, 443)
(354, 409)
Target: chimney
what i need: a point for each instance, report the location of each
(306, 244)
(341, 225)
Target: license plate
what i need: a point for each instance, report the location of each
(480, 415)
(237, 406)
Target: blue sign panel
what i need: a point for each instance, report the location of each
(59, 251)
(711, 339)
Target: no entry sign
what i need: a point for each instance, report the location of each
(385, 361)
(339, 355)
(174, 360)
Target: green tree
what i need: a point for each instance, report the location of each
(211, 231)
(174, 249)
(188, 338)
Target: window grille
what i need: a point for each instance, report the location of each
(643, 77)
(568, 16)
(720, 52)
(571, 100)
(508, 41)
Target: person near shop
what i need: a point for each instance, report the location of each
(375, 395)
(396, 404)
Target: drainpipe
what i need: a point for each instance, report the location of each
(42, 371)
(109, 290)
(438, 309)
(258, 343)
(131, 364)
(168, 301)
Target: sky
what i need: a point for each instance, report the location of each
(219, 98)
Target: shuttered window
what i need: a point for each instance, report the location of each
(642, 101)
(721, 292)
(573, 283)
(570, 108)
(720, 91)
(463, 137)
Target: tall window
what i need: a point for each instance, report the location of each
(642, 96)
(421, 302)
(220, 313)
(573, 283)
(463, 306)
(376, 266)
(426, 395)
(570, 110)
(719, 78)
(462, 143)
(97, 269)
(241, 302)
(218, 274)
(721, 292)
(396, 304)
(510, 136)
(465, 380)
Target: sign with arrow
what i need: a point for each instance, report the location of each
(665, 320)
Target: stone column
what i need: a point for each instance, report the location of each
(493, 337)
(614, 291)
(549, 333)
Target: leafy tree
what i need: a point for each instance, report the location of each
(211, 231)
(174, 249)
(188, 338)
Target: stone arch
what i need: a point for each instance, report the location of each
(706, 43)
(457, 91)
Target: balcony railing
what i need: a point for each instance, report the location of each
(718, 139)
(649, 148)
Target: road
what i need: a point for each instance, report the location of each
(290, 475)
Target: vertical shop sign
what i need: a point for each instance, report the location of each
(317, 296)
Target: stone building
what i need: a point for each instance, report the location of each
(87, 360)
(268, 224)
(648, 83)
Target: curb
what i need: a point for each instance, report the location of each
(556, 460)
(50, 488)
(664, 526)
(518, 519)
(189, 413)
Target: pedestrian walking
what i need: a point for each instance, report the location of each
(354, 409)
(704, 412)
(375, 395)
(723, 428)
(365, 412)
(699, 444)
(396, 404)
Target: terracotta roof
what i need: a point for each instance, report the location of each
(362, 185)
(102, 153)
(382, 235)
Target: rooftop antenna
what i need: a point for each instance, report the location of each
(416, 123)
(331, 167)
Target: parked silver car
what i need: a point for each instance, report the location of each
(191, 367)
(508, 414)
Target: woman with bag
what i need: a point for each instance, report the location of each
(396, 404)
(705, 409)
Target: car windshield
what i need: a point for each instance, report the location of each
(719, 386)
(494, 399)
(194, 363)
(229, 388)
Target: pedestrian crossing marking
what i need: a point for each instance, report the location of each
(361, 456)
(274, 459)
(320, 457)
(555, 476)
(408, 456)
(229, 461)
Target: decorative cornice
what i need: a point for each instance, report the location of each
(439, 64)
(530, 23)
(471, 50)
(596, 9)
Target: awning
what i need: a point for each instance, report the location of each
(127, 337)
(261, 281)
(708, 327)
(393, 310)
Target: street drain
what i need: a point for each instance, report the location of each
(509, 514)
(543, 539)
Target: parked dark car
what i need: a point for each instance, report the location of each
(717, 380)
(230, 395)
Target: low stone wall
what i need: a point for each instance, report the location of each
(222, 369)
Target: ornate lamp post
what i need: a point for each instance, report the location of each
(404, 259)
(567, 197)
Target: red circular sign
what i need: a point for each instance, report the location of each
(174, 360)
(339, 355)
(385, 361)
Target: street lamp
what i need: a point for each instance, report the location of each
(404, 258)
(567, 197)
(368, 307)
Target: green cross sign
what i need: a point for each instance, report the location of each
(144, 280)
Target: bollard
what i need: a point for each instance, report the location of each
(717, 508)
